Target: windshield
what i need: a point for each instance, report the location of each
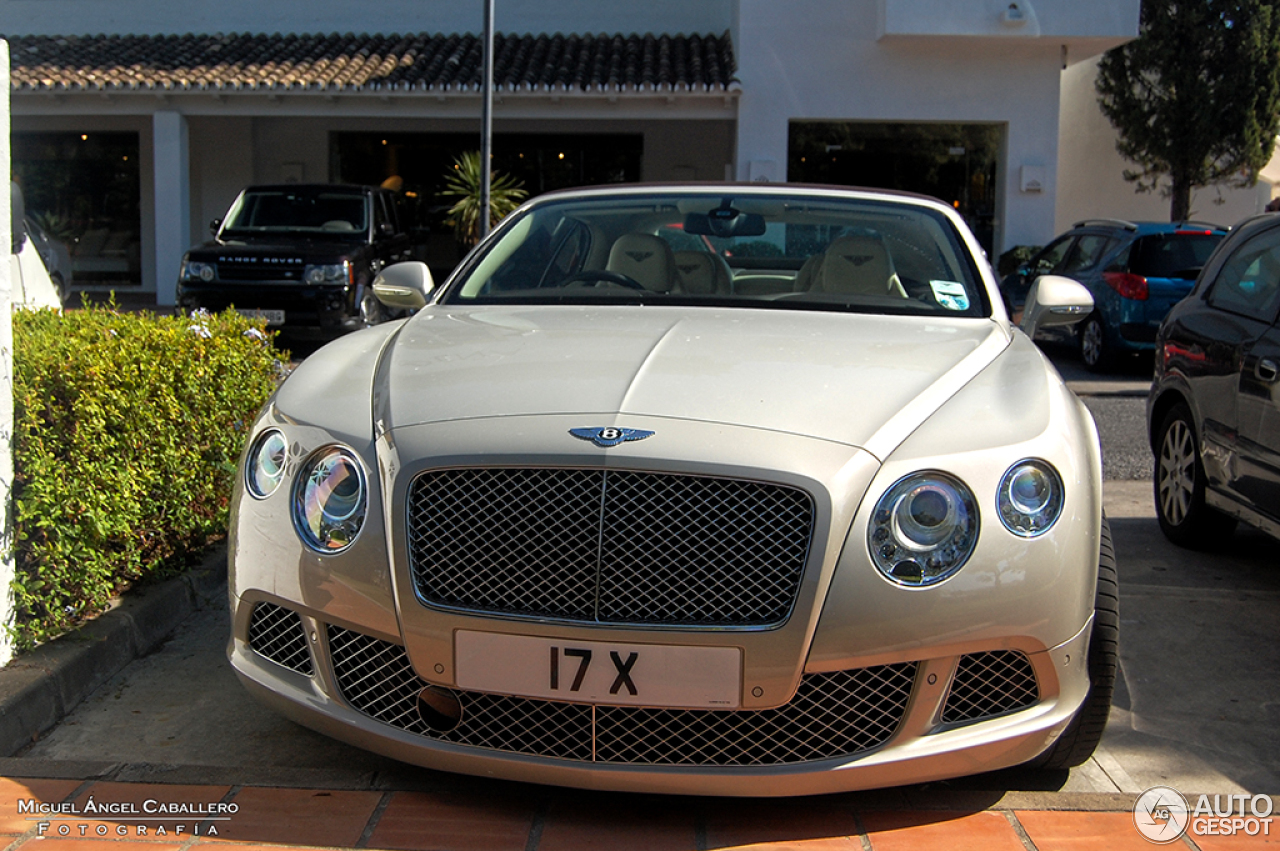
(810, 251)
(319, 210)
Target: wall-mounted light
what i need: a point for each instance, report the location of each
(1014, 16)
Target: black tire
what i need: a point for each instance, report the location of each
(1179, 482)
(1095, 351)
(1078, 741)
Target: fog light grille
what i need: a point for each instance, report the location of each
(832, 715)
(278, 634)
(987, 684)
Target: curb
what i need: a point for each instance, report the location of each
(39, 688)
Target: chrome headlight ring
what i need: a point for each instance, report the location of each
(1030, 498)
(330, 499)
(923, 529)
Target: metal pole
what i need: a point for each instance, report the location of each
(486, 120)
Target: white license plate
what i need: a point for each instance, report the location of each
(273, 317)
(660, 675)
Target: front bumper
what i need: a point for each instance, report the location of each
(327, 310)
(869, 727)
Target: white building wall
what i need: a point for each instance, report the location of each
(1091, 172)
(822, 60)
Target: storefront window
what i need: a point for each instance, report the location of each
(83, 189)
(952, 162)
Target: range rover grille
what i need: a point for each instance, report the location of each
(617, 547)
(832, 715)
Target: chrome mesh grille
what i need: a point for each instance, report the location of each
(987, 684)
(832, 715)
(609, 546)
(278, 634)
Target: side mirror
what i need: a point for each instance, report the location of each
(1055, 300)
(214, 225)
(17, 213)
(404, 286)
(387, 229)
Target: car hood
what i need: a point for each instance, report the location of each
(861, 380)
(278, 243)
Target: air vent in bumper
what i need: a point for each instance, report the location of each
(832, 715)
(278, 634)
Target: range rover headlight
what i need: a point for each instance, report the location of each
(329, 500)
(264, 469)
(923, 529)
(194, 269)
(329, 273)
(1030, 498)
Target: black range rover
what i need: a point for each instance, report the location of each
(302, 255)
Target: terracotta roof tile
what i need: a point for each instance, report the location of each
(408, 62)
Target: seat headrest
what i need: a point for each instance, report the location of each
(701, 272)
(645, 258)
(856, 264)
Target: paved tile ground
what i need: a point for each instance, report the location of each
(268, 817)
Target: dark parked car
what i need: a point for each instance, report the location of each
(1214, 409)
(1136, 272)
(302, 255)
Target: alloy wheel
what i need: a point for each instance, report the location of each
(1177, 472)
(1092, 343)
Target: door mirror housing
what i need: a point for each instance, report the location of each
(1055, 301)
(404, 286)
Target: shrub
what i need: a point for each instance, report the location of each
(128, 429)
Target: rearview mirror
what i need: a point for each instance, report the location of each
(724, 222)
(1055, 301)
(404, 286)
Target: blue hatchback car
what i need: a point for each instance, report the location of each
(1136, 271)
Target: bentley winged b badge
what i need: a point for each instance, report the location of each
(609, 436)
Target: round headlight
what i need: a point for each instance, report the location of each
(330, 498)
(265, 468)
(1030, 498)
(206, 272)
(923, 529)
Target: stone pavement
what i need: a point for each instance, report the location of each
(522, 818)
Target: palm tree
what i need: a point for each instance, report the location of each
(463, 182)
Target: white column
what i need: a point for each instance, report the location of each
(173, 200)
(6, 381)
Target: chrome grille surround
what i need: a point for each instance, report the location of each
(613, 547)
(989, 684)
(278, 634)
(832, 715)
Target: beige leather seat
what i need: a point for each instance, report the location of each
(646, 259)
(704, 273)
(858, 264)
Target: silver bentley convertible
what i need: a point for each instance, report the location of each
(722, 490)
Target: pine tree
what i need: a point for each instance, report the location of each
(1196, 97)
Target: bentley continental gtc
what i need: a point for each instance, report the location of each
(723, 489)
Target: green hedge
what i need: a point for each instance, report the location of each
(128, 428)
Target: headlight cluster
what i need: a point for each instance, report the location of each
(925, 526)
(1030, 498)
(923, 529)
(329, 273)
(195, 270)
(329, 500)
(265, 468)
(330, 494)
